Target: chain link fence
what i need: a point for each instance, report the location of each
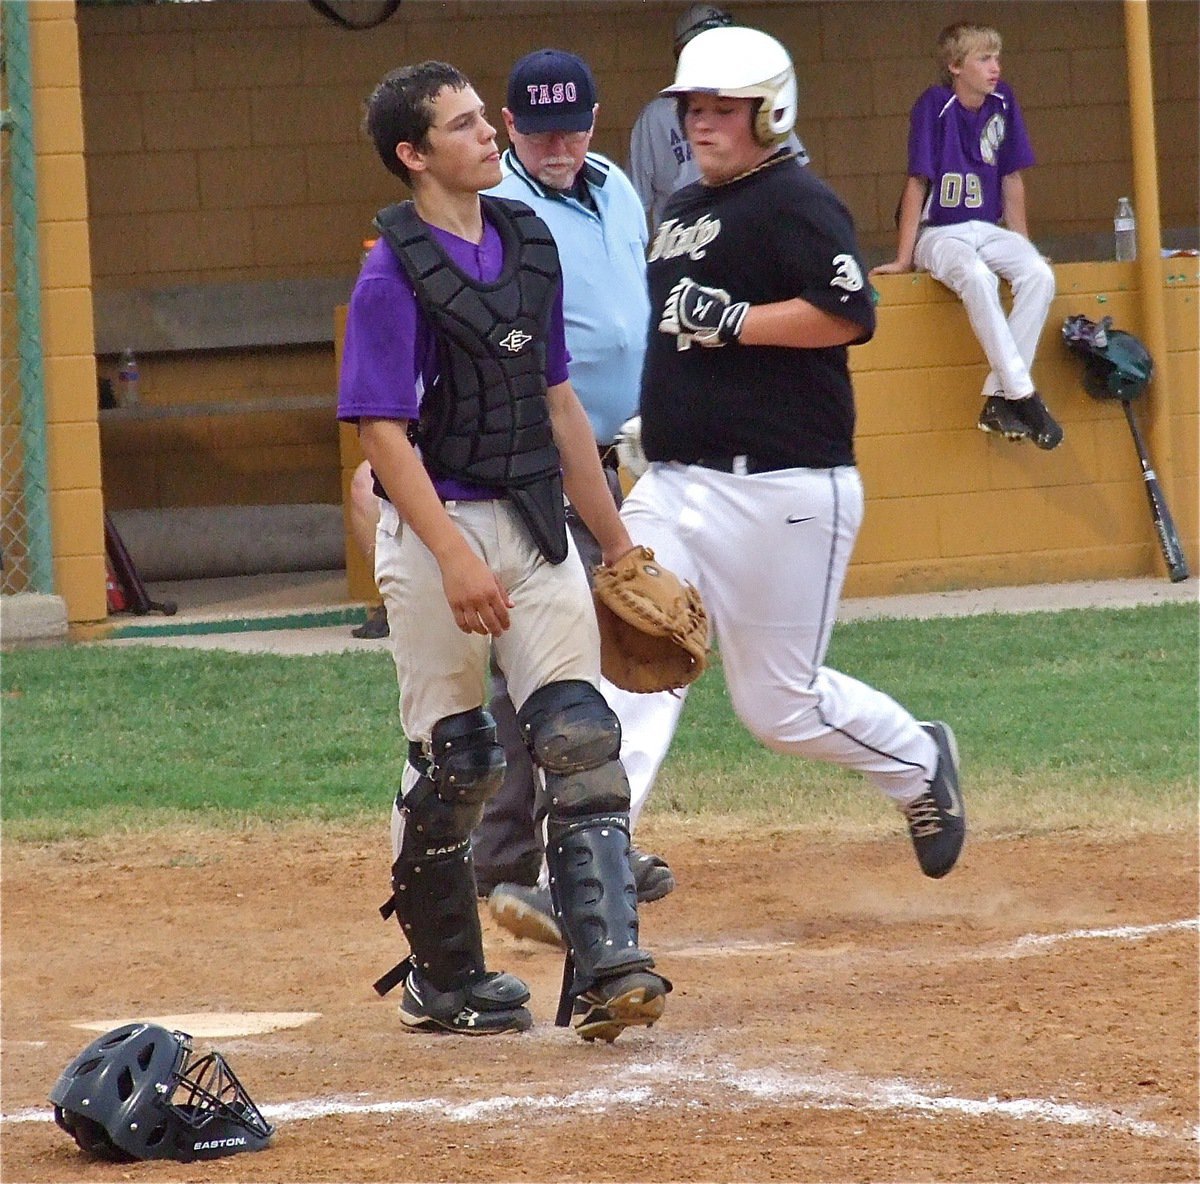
(25, 557)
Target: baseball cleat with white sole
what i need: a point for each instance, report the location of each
(635, 999)
(937, 822)
(492, 1005)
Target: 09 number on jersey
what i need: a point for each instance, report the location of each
(960, 189)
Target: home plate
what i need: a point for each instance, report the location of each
(211, 1023)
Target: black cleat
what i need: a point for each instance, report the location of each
(936, 820)
(374, 627)
(652, 876)
(634, 999)
(490, 1006)
(1044, 429)
(526, 912)
(999, 415)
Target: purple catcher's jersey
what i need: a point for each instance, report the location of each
(965, 153)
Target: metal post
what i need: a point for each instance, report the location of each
(1149, 230)
(28, 290)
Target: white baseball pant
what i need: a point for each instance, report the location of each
(769, 554)
(552, 637)
(967, 258)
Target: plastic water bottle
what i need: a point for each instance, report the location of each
(128, 380)
(1125, 231)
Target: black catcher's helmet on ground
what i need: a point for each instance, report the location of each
(139, 1092)
(1116, 365)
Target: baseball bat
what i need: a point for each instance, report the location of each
(1164, 524)
(129, 576)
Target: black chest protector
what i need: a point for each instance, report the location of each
(486, 419)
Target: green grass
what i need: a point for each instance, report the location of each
(1083, 718)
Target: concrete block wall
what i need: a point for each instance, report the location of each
(223, 140)
(220, 142)
(256, 457)
(949, 506)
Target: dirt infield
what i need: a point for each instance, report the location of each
(835, 1016)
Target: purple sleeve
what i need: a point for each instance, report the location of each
(379, 367)
(1016, 152)
(557, 356)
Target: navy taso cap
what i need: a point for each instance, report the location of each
(551, 91)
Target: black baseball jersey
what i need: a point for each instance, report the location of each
(775, 234)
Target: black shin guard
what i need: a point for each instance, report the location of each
(574, 736)
(433, 878)
(435, 897)
(595, 898)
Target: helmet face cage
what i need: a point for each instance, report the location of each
(138, 1093)
(208, 1098)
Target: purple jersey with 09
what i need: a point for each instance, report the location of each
(390, 354)
(965, 154)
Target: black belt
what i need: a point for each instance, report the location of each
(741, 465)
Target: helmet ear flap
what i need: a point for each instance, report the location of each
(775, 115)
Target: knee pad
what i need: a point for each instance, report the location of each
(575, 738)
(465, 762)
(463, 768)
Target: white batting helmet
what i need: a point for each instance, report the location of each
(741, 63)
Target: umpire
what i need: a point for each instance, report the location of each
(597, 222)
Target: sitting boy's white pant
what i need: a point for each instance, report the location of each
(967, 258)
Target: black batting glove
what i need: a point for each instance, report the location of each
(707, 316)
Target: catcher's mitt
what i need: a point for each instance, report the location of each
(653, 628)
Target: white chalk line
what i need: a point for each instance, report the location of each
(1024, 946)
(822, 1092)
(678, 1086)
(1040, 941)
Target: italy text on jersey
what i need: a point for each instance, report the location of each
(674, 239)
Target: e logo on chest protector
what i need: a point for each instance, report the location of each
(516, 341)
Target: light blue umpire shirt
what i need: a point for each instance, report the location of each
(606, 308)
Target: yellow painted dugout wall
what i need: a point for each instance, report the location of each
(72, 440)
(163, 159)
(949, 506)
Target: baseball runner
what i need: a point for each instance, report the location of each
(660, 157)
(747, 419)
(455, 372)
(967, 145)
